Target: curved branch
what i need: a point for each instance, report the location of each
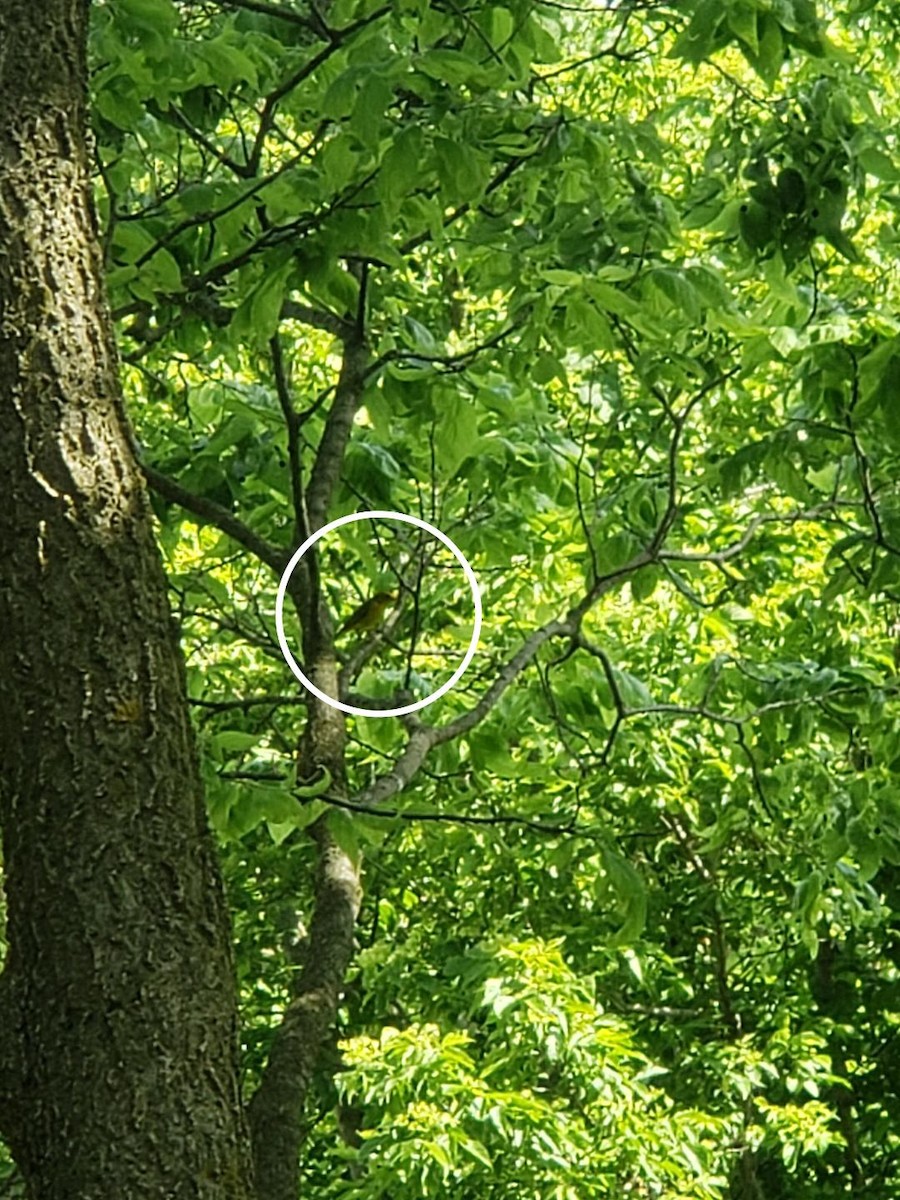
(316, 318)
(423, 738)
(338, 425)
(279, 11)
(273, 556)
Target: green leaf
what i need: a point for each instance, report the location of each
(886, 396)
(696, 43)
(450, 66)
(369, 109)
(677, 289)
(317, 787)
(229, 64)
(612, 552)
(756, 226)
(258, 804)
(876, 162)
(457, 433)
(158, 15)
(341, 828)
(791, 190)
(587, 327)
(742, 19)
(266, 302)
(401, 167)
(806, 897)
(340, 95)
(632, 895)
(162, 272)
(547, 368)
(463, 171)
(634, 692)
(564, 278)
(502, 26)
(235, 740)
(643, 584)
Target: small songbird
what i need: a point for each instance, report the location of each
(370, 613)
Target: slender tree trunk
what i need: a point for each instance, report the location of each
(118, 1053)
(276, 1110)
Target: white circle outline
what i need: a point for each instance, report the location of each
(405, 709)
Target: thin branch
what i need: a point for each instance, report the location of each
(337, 37)
(247, 702)
(292, 428)
(196, 135)
(732, 551)
(499, 179)
(450, 362)
(501, 819)
(718, 939)
(754, 772)
(326, 469)
(279, 11)
(215, 514)
(424, 738)
(316, 318)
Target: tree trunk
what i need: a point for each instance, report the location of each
(119, 1055)
(276, 1110)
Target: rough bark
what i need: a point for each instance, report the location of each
(119, 1066)
(276, 1110)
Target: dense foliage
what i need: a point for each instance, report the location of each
(622, 279)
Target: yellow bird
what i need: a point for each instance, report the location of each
(370, 613)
